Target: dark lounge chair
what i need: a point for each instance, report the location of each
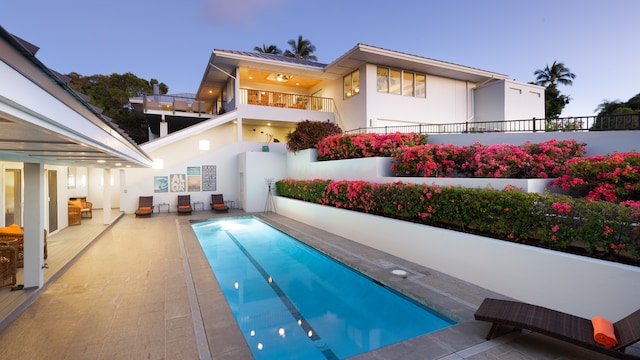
(562, 326)
(184, 205)
(145, 206)
(217, 203)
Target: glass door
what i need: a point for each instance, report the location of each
(13, 196)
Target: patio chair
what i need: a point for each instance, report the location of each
(562, 326)
(86, 207)
(145, 206)
(8, 264)
(217, 203)
(13, 235)
(180, 105)
(184, 205)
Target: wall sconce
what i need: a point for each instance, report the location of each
(204, 145)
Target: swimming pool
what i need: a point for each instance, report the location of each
(293, 302)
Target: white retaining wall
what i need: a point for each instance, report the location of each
(573, 284)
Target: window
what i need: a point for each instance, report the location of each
(421, 86)
(401, 82)
(351, 84)
(395, 82)
(407, 84)
(383, 79)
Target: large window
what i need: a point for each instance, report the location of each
(383, 79)
(351, 84)
(401, 82)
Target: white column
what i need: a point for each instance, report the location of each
(239, 128)
(34, 224)
(164, 127)
(106, 196)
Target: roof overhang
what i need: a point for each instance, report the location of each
(365, 54)
(43, 120)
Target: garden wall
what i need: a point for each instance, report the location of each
(577, 285)
(302, 165)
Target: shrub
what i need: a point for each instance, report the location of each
(613, 178)
(308, 133)
(553, 220)
(351, 146)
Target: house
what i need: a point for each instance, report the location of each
(247, 97)
(53, 146)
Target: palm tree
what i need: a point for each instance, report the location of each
(557, 73)
(302, 49)
(268, 49)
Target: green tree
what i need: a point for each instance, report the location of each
(111, 93)
(550, 77)
(556, 74)
(618, 115)
(301, 49)
(268, 49)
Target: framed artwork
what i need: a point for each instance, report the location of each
(208, 178)
(178, 182)
(160, 184)
(193, 183)
(193, 170)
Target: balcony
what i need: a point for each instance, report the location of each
(174, 104)
(286, 100)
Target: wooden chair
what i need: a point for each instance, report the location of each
(145, 206)
(184, 205)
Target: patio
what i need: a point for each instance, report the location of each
(143, 289)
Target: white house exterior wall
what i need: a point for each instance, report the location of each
(508, 100)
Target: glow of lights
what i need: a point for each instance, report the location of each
(236, 285)
(252, 333)
(281, 332)
(270, 280)
(259, 346)
(300, 322)
(204, 145)
(310, 333)
(101, 161)
(158, 164)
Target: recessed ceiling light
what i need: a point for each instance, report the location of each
(102, 161)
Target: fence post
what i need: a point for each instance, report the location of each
(534, 124)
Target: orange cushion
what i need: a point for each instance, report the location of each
(77, 203)
(11, 229)
(218, 205)
(184, 207)
(146, 208)
(603, 332)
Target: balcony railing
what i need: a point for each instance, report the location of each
(582, 123)
(285, 100)
(173, 103)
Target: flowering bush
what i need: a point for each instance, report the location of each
(612, 178)
(553, 220)
(366, 145)
(529, 160)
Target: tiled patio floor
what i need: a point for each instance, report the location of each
(143, 290)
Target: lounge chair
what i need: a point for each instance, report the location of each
(184, 205)
(145, 206)
(562, 326)
(180, 105)
(217, 203)
(199, 106)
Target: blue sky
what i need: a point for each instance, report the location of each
(172, 40)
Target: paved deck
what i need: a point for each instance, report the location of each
(142, 289)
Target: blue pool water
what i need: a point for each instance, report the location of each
(292, 302)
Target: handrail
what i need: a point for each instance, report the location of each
(574, 123)
(285, 100)
(177, 103)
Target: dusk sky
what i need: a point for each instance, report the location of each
(172, 40)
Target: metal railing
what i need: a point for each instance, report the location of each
(178, 103)
(580, 123)
(285, 100)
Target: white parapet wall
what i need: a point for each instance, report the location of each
(302, 165)
(573, 284)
